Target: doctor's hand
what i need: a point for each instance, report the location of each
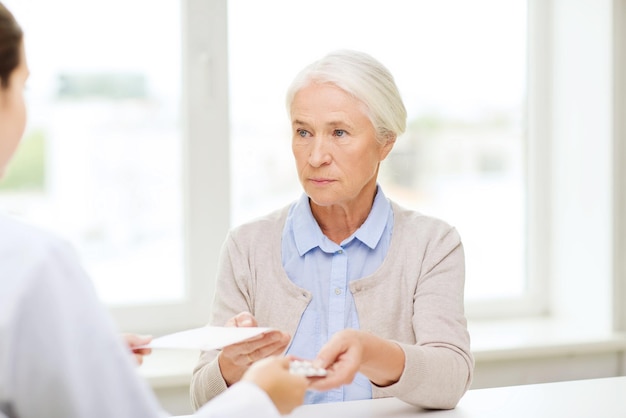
(350, 351)
(135, 340)
(235, 359)
(272, 375)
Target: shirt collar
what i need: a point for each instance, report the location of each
(308, 235)
(372, 229)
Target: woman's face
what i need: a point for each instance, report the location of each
(12, 112)
(334, 145)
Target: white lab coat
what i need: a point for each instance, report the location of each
(60, 354)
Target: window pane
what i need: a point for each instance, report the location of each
(461, 68)
(100, 162)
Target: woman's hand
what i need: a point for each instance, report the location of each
(272, 375)
(135, 340)
(351, 351)
(235, 359)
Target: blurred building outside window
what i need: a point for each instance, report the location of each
(100, 161)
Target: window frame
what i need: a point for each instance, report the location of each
(206, 207)
(619, 164)
(535, 302)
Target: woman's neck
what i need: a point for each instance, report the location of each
(339, 221)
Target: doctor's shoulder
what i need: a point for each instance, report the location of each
(24, 247)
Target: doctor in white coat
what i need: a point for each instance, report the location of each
(60, 354)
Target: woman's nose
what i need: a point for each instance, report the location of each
(320, 152)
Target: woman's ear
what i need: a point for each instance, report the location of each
(390, 140)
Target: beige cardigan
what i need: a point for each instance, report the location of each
(414, 298)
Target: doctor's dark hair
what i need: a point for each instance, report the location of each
(10, 43)
(365, 79)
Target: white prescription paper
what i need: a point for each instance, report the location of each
(206, 338)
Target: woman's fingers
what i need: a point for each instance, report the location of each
(242, 319)
(254, 349)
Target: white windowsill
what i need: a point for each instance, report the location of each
(491, 341)
(540, 337)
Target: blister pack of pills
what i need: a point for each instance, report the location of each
(306, 368)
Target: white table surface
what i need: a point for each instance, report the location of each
(593, 398)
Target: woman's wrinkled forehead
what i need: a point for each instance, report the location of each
(314, 84)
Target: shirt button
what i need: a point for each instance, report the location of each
(337, 291)
(340, 252)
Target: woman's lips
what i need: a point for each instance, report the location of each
(321, 181)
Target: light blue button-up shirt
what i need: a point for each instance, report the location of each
(315, 263)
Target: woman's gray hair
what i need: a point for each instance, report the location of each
(367, 80)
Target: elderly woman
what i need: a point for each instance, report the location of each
(372, 291)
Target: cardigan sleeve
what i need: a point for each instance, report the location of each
(416, 299)
(439, 365)
(250, 278)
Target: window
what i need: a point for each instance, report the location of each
(105, 156)
(173, 133)
(104, 142)
(461, 68)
